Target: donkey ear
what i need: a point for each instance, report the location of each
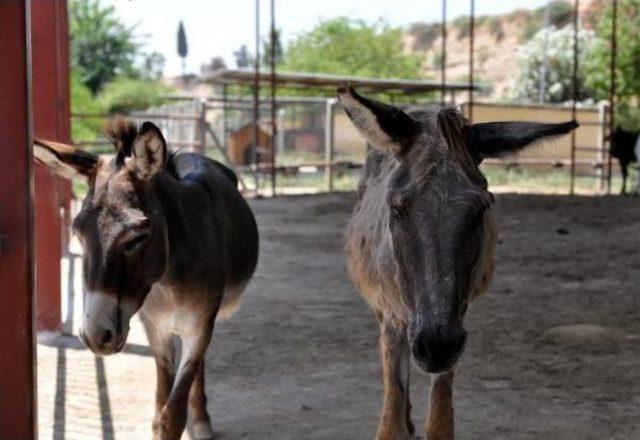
(65, 160)
(494, 139)
(149, 151)
(384, 125)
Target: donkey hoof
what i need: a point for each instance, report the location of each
(202, 430)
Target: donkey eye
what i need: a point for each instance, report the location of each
(135, 243)
(397, 212)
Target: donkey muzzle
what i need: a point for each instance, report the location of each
(435, 349)
(104, 324)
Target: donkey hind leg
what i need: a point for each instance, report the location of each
(395, 420)
(173, 417)
(625, 173)
(440, 419)
(199, 420)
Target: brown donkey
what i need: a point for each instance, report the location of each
(167, 235)
(420, 242)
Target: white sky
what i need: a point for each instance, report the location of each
(219, 27)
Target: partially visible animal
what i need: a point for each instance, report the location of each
(420, 242)
(166, 235)
(625, 146)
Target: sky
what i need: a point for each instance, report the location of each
(219, 27)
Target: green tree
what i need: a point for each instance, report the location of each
(125, 95)
(101, 46)
(243, 57)
(83, 102)
(275, 39)
(555, 47)
(183, 49)
(352, 47)
(597, 66)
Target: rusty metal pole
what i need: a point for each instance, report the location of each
(18, 405)
(329, 127)
(612, 85)
(274, 126)
(225, 126)
(574, 93)
(443, 73)
(472, 29)
(256, 103)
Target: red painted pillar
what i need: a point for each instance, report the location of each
(17, 345)
(50, 73)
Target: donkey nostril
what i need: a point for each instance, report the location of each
(440, 347)
(106, 338)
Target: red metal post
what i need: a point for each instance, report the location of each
(17, 342)
(51, 120)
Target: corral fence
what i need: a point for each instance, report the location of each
(317, 149)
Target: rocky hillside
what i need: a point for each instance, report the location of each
(497, 41)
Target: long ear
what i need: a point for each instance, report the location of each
(494, 139)
(384, 125)
(65, 160)
(149, 151)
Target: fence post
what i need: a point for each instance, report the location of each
(18, 403)
(202, 126)
(603, 111)
(328, 144)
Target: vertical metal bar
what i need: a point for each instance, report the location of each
(328, 144)
(225, 126)
(18, 405)
(612, 84)
(574, 94)
(472, 29)
(256, 102)
(603, 111)
(274, 126)
(443, 65)
(203, 127)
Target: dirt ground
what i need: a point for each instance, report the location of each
(554, 347)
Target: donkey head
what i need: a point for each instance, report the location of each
(438, 212)
(120, 226)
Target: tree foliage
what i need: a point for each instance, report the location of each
(274, 40)
(352, 47)
(243, 57)
(627, 53)
(556, 47)
(101, 46)
(627, 77)
(125, 95)
(183, 49)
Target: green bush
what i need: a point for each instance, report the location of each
(125, 95)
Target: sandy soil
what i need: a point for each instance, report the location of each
(554, 346)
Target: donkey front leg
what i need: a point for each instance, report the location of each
(395, 420)
(163, 351)
(173, 417)
(440, 419)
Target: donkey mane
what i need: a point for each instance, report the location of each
(451, 126)
(121, 132)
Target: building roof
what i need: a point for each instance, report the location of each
(328, 81)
